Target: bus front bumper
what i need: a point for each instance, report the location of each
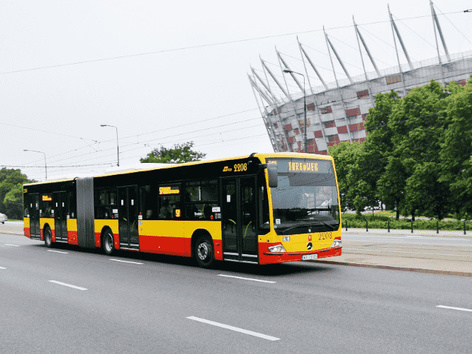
(281, 257)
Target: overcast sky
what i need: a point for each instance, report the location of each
(176, 71)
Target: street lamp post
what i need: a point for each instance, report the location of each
(45, 163)
(305, 147)
(117, 143)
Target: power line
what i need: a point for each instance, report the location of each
(54, 166)
(48, 132)
(67, 153)
(194, 134)
(207, 45)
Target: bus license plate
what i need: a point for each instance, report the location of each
(307, 257)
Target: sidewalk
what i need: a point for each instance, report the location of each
(12, 228)
(420, 257)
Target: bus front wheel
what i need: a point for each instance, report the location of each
(204, 254)
(107, 243)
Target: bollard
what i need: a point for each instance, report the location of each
(346, 225)
(464, 227)
(366, 226)
(412, 225)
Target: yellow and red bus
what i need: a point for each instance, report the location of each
(262, 209)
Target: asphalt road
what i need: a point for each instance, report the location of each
(64, 300)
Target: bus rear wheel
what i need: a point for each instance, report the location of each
(203, 252)
(108, 243)
(48, 237)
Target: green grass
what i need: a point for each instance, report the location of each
(385, 219)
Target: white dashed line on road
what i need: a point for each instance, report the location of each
(127, 262)
(232, 328)
(68, 285)
(60, 252)
(249, 279)
(454, 308)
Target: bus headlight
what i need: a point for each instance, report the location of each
(277, 249)
(337, 244)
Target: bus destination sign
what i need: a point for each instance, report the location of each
(301, 165)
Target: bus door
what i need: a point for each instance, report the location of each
(34, 215)
(60, 216)
(128, 217)
(239, 219)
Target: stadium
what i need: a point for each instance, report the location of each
(334, 112)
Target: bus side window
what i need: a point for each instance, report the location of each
(263, 206)
(46, 210)
(200, 199)
(148, 203)
(106, 204)
(165, 212)
(71, 205)
(169, 205)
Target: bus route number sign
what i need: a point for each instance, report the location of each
(237, 167)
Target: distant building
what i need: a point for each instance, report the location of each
(336, 112)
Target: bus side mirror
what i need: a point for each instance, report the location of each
(272, 172)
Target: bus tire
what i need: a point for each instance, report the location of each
(204, 252)
(48, 237)
(108, 246)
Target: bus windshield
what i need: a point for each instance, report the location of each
(306, 198)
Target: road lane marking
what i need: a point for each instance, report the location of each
(61, 252)
(454, 308)
(11, 245)
(3, 268)
(232, 328)
(68, 285)
(250, 279)
(128, 262)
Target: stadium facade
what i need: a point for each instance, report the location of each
(335, 112)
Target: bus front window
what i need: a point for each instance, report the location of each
(305, 201)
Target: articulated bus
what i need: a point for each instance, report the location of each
(262, 209)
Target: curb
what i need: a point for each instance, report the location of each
(11, 233)
(408, 269)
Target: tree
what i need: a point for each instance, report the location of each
(378, 149)
(417, 126)
(353, 176)
(391, 184)
(343, 155)
(417, 155)
(179, 153)
(13, 202)
(11, 192)
(456, 148)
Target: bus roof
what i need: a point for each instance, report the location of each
(158, 166)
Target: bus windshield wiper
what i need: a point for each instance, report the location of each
(309, 224)
(331, 226)
(294, 227)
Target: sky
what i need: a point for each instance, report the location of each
(166, 73)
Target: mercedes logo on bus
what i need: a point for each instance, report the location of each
(309, 246)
